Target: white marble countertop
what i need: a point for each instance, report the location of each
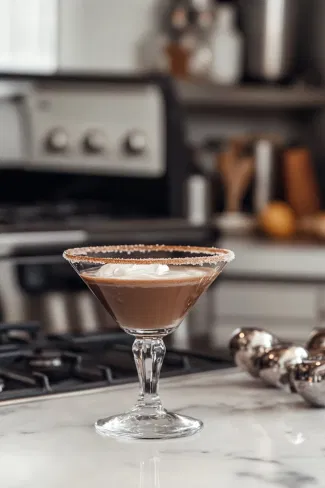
(254, 437)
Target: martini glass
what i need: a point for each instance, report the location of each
(150, 302)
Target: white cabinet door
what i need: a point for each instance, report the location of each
(289, 310)
(28, 35)
(103, 35)
(273, 300)
(5, 27)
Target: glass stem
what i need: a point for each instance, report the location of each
(148, 356)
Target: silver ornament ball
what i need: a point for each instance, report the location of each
(247, 345)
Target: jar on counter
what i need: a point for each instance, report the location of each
(266, 175)
(200, 185)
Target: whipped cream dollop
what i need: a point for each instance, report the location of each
(125, 271)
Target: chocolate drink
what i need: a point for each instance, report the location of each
(150, 302)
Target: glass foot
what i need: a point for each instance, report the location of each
(141, 424)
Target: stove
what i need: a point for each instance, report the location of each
(35, 365)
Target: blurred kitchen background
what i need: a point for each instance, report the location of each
(164, 121)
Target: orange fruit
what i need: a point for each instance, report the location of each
(278, 220)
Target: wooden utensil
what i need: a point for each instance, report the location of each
(236, 174)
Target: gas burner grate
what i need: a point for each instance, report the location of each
(18, 334)
(33, 365)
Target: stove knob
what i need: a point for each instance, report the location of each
(135, 144)
(57, 141)
(95, 142)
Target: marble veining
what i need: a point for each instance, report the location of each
(288, 479)
(254, 437)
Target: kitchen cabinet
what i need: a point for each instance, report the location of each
(28, 36)
(42, 37)
(288, 310)
(272, 300)
(277, 286)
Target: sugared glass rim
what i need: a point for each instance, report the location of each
(213, 255)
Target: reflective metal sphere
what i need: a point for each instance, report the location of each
(276, 363)
(309, 380)
(316, 354)
(247, 345)
(316, 341)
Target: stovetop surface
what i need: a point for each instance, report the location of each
(72, 216)
(34, 365)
